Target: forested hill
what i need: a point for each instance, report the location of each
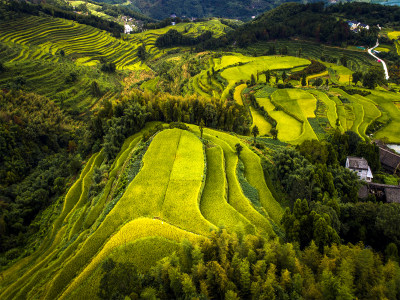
(235, 9)
(311, 21)
(315, 22)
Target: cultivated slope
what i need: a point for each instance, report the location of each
(155, 194)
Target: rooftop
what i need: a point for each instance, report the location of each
(357, 163)
(389, 158)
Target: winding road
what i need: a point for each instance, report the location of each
(379, 60)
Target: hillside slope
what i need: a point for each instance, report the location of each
(160, 191)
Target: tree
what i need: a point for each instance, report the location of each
(303, 80)
(95, 89)
(284, 76)
(201, 128)
(238, 148)
(357, 77)
(252, 80)
(255, 132)
(274, 133)
(267, 76)
(141, 52)
(108, 67)
(343, 60)
(276, 78)
(318, 81)
(337, 123)
(373, 77)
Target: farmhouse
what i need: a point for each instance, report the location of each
(382, 192)
(355, 26)
(390, 161)
(360, 166)
(128, 28)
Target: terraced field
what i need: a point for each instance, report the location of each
(186, 200)
(395, 35)
(391, 115)
(296, 106)
(149, 37)
(51, 35)
(358, 59)
(31, 49)
(251, 65)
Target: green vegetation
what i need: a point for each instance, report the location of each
(203, 159)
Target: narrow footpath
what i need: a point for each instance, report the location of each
(379, 60)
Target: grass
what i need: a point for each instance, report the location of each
(137, 201)
(181, 203)
(365, 112)
(394, 35)
(343, 74)
(31, 45)
(382, 49)
(323, 74)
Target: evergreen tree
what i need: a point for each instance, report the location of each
(303, 80)
(238, 148)
(255, 132)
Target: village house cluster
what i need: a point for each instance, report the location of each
(390, 162)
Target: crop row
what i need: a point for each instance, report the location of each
(51, 35)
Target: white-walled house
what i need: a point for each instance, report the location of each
(360, 166)
(128, 28)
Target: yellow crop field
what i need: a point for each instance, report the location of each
(394, 35)
(133, 230)
(255, 176)
(214, 205)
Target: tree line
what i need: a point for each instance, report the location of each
(37, 158)
(233, 266)
(175, 38)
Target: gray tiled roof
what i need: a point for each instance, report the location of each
(392, 194)
(389, 158)
(357, 163)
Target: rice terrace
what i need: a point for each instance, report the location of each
(199, 157)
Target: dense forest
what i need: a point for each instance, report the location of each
(230, 266)
(315, 21)
(198, 9)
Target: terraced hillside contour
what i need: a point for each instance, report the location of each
(156, 193)
(300, 113)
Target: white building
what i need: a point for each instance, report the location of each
(360, 166)
(128, 28)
